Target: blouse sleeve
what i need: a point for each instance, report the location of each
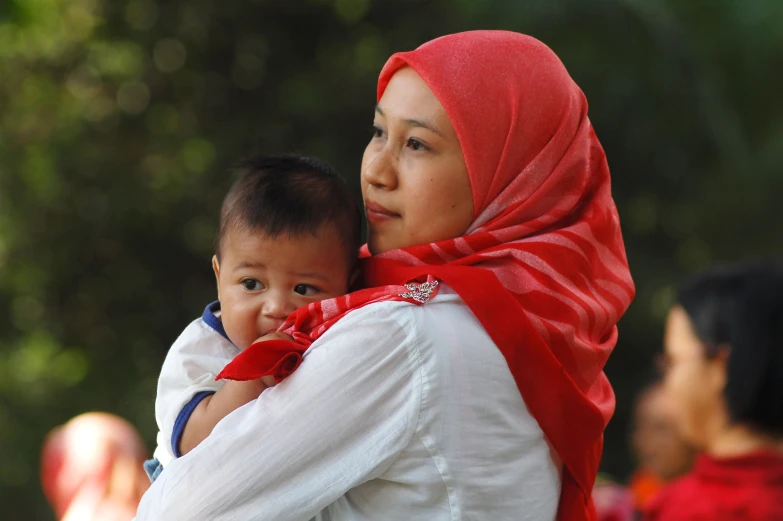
(341, 419)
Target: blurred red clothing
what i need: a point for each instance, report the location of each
(612, 502)
(644, 485)
(746, 488)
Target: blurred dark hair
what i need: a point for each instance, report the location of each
(742, 308)
(290, 194)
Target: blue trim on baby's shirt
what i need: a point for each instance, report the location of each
(212, 320)
(182, 420)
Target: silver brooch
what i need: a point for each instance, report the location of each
(420, 292)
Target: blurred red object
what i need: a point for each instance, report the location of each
(91, 469)
(644, 485)
(613, 502)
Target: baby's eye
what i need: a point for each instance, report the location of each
(252, 284)
(306, 290)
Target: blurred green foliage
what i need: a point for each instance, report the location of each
(118, 121)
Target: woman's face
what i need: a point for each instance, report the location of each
(694, 382)
(415, 182)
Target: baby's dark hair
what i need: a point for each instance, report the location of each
(290, 194)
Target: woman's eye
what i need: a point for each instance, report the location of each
(252, 284)
(416, 145)
(305, 290)
(377, 131)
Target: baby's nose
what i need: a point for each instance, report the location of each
(277, 307)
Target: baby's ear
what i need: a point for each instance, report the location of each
(216, 269)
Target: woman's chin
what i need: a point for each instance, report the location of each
(379, 244)
(373, 247)
(375, 243)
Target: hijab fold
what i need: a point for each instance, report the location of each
(542, 266)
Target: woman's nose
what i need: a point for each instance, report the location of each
(379, 169)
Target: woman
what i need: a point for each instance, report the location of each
(481, 396)
(724, 354)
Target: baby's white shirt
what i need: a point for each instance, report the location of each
(189, 371)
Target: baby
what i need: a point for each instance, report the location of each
(289, 235)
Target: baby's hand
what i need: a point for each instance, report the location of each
(269, 381)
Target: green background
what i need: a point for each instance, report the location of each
(119, 120)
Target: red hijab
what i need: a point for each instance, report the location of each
(542, 266)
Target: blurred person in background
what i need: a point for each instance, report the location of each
(660, 450)
(91, 469)
(724, 369)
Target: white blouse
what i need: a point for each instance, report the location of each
(398, 412)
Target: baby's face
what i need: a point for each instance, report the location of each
(262, 280)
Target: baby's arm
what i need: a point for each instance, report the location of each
(230, 397)
(212, 409)
(187, 376)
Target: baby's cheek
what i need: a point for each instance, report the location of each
(238, 331)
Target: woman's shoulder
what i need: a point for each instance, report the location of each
(416, 336)
(395, 325)
(422, 330)
(407, 311)
(444, 298)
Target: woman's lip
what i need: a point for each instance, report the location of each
(378, 213)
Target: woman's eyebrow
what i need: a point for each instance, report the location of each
(414, 122)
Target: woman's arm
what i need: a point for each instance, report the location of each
(341, 419)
